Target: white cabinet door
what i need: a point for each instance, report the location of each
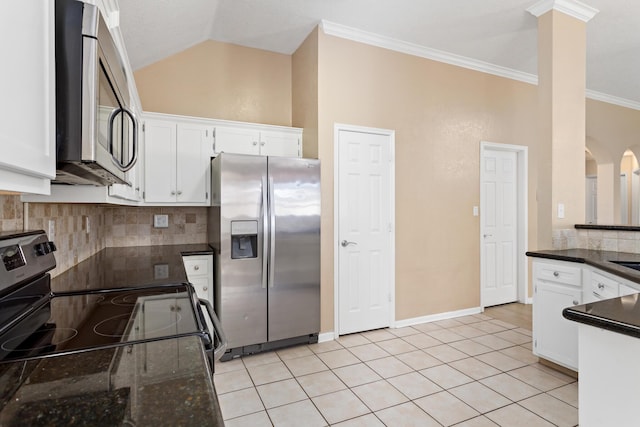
(192, 163)
(555, 338)
(176, 168)
(27, 113)
(257, 141)
(279, 144)
(237, 140)
(160, 161)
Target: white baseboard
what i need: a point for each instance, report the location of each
(329, 336)
(326, 336)
(433, 317)
(529, 300)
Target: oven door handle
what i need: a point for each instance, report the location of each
(222, 345)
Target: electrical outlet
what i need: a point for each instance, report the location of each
(161, 221)
(161, 271)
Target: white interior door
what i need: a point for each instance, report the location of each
(499, 227)
(635, 197)
(591, 214)
(364, 230)
(624, 200)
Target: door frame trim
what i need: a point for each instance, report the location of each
(391, 135)
(522, 155)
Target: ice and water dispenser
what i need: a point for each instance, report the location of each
(244, 239)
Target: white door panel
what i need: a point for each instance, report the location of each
(499, 227)
(364, 231)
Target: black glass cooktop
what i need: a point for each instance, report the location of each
(72, 322)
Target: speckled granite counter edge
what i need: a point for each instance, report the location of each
(580, 314)
(607, 227)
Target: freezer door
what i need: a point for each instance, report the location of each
(294, 259)
(242, 287)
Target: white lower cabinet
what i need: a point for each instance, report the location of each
(557, 285)
(199, 270)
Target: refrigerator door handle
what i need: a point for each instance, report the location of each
(265, 227)
(272, 235)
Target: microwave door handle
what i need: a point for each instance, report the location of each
(112, 118)
(134, 157)
(134, 142)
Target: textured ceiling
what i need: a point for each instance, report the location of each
(499, 32)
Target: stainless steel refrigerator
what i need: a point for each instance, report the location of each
(264, 227)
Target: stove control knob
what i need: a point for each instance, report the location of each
(44, 248)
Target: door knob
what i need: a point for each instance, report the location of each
(346, 243)
(487, 235)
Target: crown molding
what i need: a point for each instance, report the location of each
(572, 8)
(396, 45)
(610, 99)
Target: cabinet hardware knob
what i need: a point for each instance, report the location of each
(262, 143)
(576, 302)
(556, 274)
(255, 142)
(196, 267)
(205, 288)
(179, 193)
(600, 286)
(173, 193)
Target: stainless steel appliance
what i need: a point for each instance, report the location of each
(96, 138)
(106, 343)
(264, 226)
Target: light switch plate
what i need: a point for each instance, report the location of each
(560, 210)
(161, 221)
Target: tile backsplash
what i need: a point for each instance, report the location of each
(605, 240)
(133, 226)
(81, 230)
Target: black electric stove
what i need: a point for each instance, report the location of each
(99, 343)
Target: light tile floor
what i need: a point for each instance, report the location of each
(472, 371)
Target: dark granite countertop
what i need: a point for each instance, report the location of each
(166, 382)
(129, 266)
(159, 383)
(621, 314)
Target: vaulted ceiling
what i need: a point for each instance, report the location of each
(497, 32)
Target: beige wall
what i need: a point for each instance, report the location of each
(440, 114)
(611, 130)
(305, 92)
(221, 81)
(561, 90)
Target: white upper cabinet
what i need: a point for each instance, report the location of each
(27, 85)
(258, 140)
(176, 162)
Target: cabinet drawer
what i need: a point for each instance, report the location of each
(558, 273)
(603, 287)
(196, 267)
(203, 289)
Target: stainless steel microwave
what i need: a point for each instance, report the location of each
(96, 131)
